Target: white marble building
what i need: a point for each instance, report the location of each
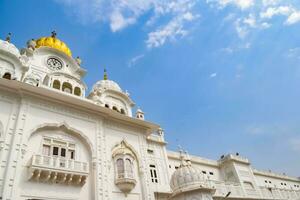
(58, 141)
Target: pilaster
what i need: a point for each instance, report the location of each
(12, 171)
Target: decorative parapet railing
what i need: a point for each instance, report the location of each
(235, 190)
(228, 188)
(236, 158)
(276, 193)
(58, 170)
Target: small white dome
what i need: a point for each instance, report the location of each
(107, 85)
(185, 177)
(9, 47)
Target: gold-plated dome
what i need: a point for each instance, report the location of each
(53, 42)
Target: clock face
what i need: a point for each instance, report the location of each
(54, 64)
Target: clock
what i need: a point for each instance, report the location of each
(54, 64)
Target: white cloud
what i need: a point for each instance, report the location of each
(257, 14)
(270, 2)
(242, 4)
(133, 61)
(293, 18)
(171, 31)
(170, 20)
(213, 75)
(120, 14)
(250, 21)
(294, 53)
(118, 22)
(241, 29)
(272, 11)
(232, 49)
(265, 25)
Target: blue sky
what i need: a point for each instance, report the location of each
(220, 76)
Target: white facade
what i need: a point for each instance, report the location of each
(58, 144)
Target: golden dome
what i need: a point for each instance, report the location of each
(55, 43)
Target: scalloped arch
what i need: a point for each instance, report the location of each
(129, 147)
(64, 126)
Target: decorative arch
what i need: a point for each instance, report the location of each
(77, 91)
(68, 129)
(56, 84)
(67, 87)
(125, 148)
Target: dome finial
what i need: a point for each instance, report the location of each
(53, 34)
(8, 37)
(105, 74)
(187, 158)
(181, 156)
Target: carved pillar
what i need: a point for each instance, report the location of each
(12, 172)
(147, 195)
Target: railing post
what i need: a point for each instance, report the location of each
(42, 160)
(50, 161)
(33, 159)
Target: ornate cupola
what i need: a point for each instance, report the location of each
(188, 182)
(12, 65)
(140, 114)
(109, 94)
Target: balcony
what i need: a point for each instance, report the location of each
(125, 182)
(58, 170)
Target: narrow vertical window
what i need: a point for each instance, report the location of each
(56, 84)
(63, 152)
(55, 151)
(128, 167)
(120, 168)
(77, 91)
(46, 150)
(153, 174)
(71, 154)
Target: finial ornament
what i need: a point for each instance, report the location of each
(53, 34)
(187, 158)
(105, 75)
(78, 60)
(31, 44)
(8, 37)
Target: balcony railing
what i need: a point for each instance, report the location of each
(49, 168)
(59, 163)
(276, 193)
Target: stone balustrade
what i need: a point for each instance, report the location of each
(58, 170)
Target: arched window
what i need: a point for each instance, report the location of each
(77, 91)
(128, 168)
(56, 84)
(122, 111)
(115, 108)
(7, 75)
(67, 87)
(120, 168)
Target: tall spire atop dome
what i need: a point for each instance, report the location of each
(105, 75)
